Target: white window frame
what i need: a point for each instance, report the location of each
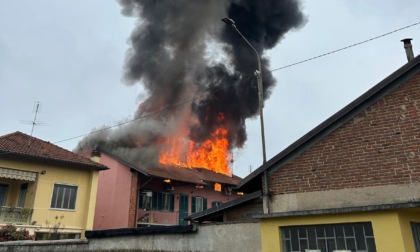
(166, 201)
(199, 204)
(61, 208)
(146, 199)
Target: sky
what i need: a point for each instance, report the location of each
(69, 56)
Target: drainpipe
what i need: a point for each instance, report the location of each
(267, 194)
(408, 48)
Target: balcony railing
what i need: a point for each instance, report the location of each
(155, 217)
(17, 216)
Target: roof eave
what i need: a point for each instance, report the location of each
(224, 206)
(49, 159)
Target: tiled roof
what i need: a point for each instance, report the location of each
(20, 144)
(193, 175)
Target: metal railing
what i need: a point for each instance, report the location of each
(157, 217)
(15, 215)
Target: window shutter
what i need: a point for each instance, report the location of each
(154, 200)
(172, 203)
(140, 201)
(204, 203)
(160, 199)
(193, 204)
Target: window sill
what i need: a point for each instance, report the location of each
(63, 209)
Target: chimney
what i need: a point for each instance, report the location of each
(95, 156)
(408, 48)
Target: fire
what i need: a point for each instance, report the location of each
(212, 154)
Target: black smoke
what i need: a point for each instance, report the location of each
(180, 50)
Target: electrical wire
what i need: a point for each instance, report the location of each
(246, 79)
(344, 48)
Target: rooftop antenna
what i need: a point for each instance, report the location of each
(37, 107)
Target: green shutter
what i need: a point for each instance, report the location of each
(141, 200)
(172, 203)
(160, 199)
(193, 200)
(204, 203)
(154, 200)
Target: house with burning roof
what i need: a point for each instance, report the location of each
(43, 185)
(135, 195)
(353, 182)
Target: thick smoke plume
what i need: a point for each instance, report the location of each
(181, 50)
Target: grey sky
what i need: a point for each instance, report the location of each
(69, 56)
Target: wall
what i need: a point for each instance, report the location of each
(377, 148)
(210, 238)
(165, 217)
(41, 192)
(244, 212)
(134, 198)
(389, 228)
(113, 198)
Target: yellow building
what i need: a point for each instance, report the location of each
(353, 182)
(46, 189)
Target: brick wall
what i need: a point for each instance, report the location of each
(132, 222)
(380, 146)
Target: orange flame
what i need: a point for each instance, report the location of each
(212, 154)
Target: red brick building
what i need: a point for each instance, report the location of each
(353, 182)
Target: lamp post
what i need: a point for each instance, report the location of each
(259, 81)
(261, 105)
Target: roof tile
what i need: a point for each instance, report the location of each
(18, 143)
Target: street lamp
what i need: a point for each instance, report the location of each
(261, 105)
(259, 81)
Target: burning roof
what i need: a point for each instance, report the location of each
(197, 74)
(198, 176)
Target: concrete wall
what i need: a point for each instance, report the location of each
(239, 237)
(352, 197)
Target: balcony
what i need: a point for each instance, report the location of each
(155, 217)
(15, 215)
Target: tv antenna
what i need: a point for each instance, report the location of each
(34, 122)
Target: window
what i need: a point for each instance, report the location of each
(198, 204)
(22, 195)
(156, 201)
(216, 203)
(355, 237)
(64, 197)
(3, 193)
(145, 200)
(217, 187)
(415, 227)
(166, 201)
